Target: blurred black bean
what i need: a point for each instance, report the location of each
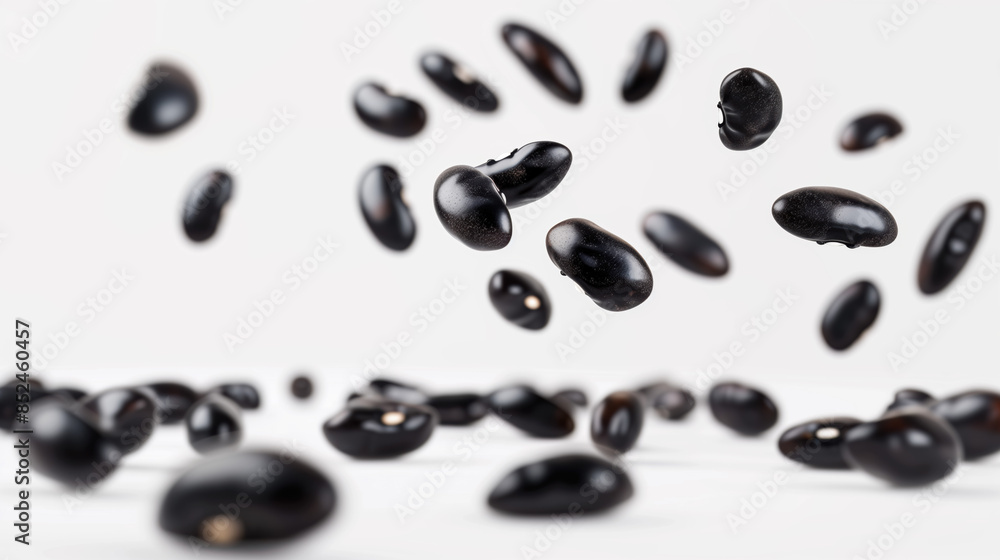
(376, 429)
(850, 314)
(302, 387)
(818, 443)
(530, 412)
(751, 109)
(520, 299)
(565, 485)
(529, 172)
(616, 422)
(214, 423)
(68, 446)
(673, 403)
(825, 214)
(647, 67)
(546, 62)
(244, 395)
(173, 400)
(390, 114)
(459, 409)
(170, 99)
(472, 209)
(868, 131)
(906, 447)
(950, 246)
(685, 244)
(975, 417)
(204, 205)
(380, 193)
(458, 82)
(743, 409)
(127, 417)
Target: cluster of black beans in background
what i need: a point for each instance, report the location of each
(918, 440)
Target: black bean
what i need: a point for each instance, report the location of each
(608, 270)
(472, 209)
(616, 422)
(685, 244)
(458, 82)
(529, 172)
(173, 400)
(68, 446)
(244, 395)
(850, 314)
(459, 409)
(170, 100)
(950, 246)
(214, 423)
(204, 204)
(742, 408)
(125, 416)
(546, 62)
(673, 403)
(394, 391)
(907, 447)
(530, 412)
(247, 496)
(868, 131)
(387, 113)
(825, 214)
(975, 417)
(302, 387)
(568, 484)
(380, 193)
(751, 109)
(570, 398)
(647, 66)
(818, 443)
(376, 429)
(910, 397)
(520, 299)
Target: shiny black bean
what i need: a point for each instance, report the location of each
(673, 403)
(302, 387)
(460, 409)
(173, 400)
(608, 270)
(387, 113)
(530, 412)
(742, 408)
(458, 82)
(204, 204)
(906, 447)
(850, 314)
(546, 62)
(616, 422)
(529, 172)
(170, 100)
(214, 423)
(570, 398)
(472, 209)
(825, 214)
(950, 246)
(247, 496)
(380, 193)
(390, 390)
(376, 429)
(127, 417)
(520, 299)
(68, 446)
(685, 244)
(647, 66)
(244, 395)
(975, 417)
(910, 397)
(751, 109)
(868, 131)
(818, 443)
(568, 484)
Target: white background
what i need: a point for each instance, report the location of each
(120, 208)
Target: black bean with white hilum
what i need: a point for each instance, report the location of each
(370, 428)
(521, 299)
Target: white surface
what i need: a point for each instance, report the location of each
(120, 208)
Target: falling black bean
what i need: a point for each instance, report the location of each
(818, 443)
(529, 172)
(647, 67)
(68, 446)
(214, 423)
(825, 214)
(472, 209)
(458, 82)
(530, 412)
(520, 299)
(850, 314)
(380, 193)
(546, 62)
(975, 417)
(377, 429)
(387, 113)
(685, 244)
(910, 397)
(570, 398)
(608, 270)
(204, 204)
(394, 391)
(244, 395)
(751, 109)
(170, 100)
(459, 409)
(907, 447)
(568, 484)
(247, 496)
(742, 408)
(127, 417)
(616, 422)
(173, 400)
(302, 387)
(868, 131)
(950, 246)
